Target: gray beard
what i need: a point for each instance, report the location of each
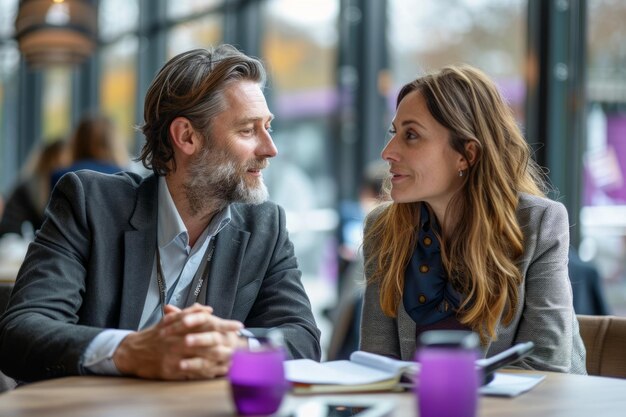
(214, 181)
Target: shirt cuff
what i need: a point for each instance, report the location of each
(98, 357)
(253, 342)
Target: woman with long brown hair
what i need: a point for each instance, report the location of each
(469, 240)
(29, 198)
(96, 146)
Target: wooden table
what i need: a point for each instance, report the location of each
(558, 395)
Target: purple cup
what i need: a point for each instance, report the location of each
(448, 379)
(257, 379)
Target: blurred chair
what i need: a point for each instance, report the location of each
(346, 320)
(605, 341)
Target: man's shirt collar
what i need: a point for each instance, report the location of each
(170, 226)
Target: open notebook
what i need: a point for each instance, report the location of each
(363, 372)
(370, 372)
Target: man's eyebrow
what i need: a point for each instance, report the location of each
(247, 120)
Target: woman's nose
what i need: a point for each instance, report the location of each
(389, 153)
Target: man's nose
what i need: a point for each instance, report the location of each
(268, 148)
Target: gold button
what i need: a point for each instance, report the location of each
(446, 306)
(424, 269)
(422, 298)
(427, 241)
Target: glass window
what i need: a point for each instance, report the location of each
(425, 35)
(8, 12)
(180, 8)
(198, 33)
(56, 102)
(116, 17)
(9, 64)
(299, 46)
(118, 86)
(603, 216)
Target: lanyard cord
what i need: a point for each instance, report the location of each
(198, 278)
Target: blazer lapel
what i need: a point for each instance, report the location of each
(225, 271)
(139, 252)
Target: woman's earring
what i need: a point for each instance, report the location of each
(460, 172)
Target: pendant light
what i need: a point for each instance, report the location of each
(56, 31)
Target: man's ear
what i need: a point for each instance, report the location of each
(184, 137)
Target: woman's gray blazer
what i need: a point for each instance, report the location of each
(544, 313)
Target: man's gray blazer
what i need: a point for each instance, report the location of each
(90, 266)
(544, 313)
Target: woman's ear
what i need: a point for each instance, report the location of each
(471, 150)
(183, 135)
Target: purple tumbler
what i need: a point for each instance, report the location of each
(257, 376)
(448, 378)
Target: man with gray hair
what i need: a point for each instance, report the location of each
(157, 277)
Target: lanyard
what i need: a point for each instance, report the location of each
(199, 278)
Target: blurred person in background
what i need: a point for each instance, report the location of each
(353, 213)
(156, 276)
(24, 211)
(469, 242)
(95, 146)
(345, 315)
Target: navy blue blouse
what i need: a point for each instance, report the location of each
(428, 295)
